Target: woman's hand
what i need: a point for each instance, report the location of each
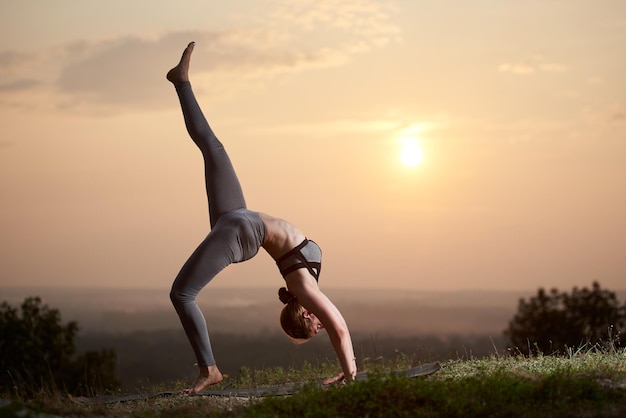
(334, 379)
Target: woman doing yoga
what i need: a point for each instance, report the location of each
(236, 235)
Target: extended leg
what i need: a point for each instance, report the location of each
(223, 188)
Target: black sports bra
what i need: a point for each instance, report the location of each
(306, 255)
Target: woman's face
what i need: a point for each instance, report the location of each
(315, 325)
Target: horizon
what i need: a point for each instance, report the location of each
(367, 311)
(331, 288)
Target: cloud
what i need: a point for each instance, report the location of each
(20, 84)
(531, 65)
(618, 116)
(7, 144)
(516, 68)
(367, 21)
(552, 67)
(128, 72)
(398, 125)
(12, 67)
(12, 61)
(609, 116)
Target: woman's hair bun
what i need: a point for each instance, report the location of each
(285, 296)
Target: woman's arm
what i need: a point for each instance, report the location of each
(305, 289)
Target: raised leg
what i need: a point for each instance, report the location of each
(223, 188)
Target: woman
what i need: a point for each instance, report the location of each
(236, 235)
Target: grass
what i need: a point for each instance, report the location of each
(586, 383)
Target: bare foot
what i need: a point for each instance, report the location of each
(180, 73)
(209, 375)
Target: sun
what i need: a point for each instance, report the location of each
(411, 154)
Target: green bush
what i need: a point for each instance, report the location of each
(37, 352)
(554, 322)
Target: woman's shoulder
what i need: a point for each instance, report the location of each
(302, 284)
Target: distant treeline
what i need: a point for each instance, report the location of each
(163, 357)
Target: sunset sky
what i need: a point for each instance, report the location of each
(518, 108)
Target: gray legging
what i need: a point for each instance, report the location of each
(236, 233)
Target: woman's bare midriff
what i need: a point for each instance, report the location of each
(280, 236)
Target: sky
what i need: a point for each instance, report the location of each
(518, 110)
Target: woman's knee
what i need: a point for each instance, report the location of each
(180, 296)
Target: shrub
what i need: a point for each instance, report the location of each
(552, 323)
(37, 352)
